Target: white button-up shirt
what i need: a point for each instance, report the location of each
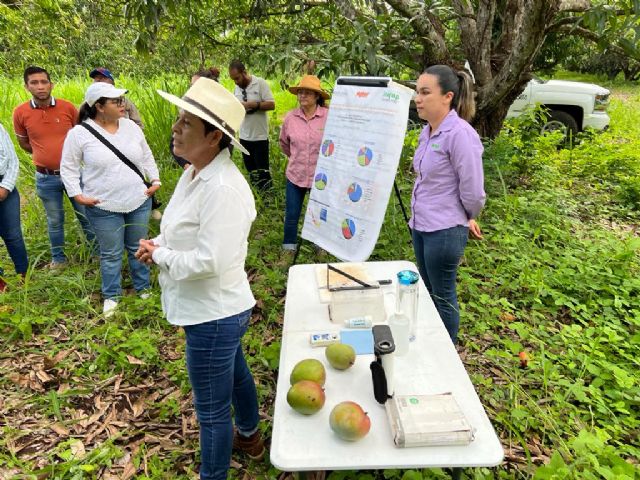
(203, 245)
(8, 161)
(104, 175)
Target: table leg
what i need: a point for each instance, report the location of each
(456, 473)
(312, 475)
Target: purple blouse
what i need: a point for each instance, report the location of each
(449, 188)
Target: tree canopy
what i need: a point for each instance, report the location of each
(501, 39)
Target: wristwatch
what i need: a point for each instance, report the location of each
(157, 182)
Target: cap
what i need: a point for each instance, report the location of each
(101, 71)
(99, 90)
(407, 277)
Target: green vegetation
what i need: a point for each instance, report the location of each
(557, 276)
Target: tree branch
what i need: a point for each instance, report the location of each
(594, 37)
(435, 47)
(574, 5)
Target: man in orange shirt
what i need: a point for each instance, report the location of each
(41, 125)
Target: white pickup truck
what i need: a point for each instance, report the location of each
(572, 106)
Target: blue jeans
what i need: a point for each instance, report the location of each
(11, 231)
(220, 377)
(117, 232)
(50, 189)
(293, 207)
(438, 255)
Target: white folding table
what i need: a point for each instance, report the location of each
(304, 443)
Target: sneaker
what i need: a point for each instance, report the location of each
(57, 265)
(253, 446)
(109, 307)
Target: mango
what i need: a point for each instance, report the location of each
(349, 421)
(309, 369)
(306, 397)
(340, 355)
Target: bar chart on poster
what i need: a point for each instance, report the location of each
(357, 164)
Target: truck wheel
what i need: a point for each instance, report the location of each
(563, 121)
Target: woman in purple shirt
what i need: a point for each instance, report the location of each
(300, 139)
(449, 190)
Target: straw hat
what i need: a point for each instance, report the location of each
(213, 103)
(310, 82)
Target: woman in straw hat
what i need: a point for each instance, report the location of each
(200, 253)
(300, 139)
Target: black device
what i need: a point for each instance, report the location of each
(382, 366)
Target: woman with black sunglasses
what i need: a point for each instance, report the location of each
(118, 202)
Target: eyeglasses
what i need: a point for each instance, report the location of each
(244, 95)
(117, 101)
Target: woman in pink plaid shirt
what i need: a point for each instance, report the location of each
(300, 140)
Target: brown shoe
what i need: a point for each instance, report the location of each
(3, 285)
(253, 446)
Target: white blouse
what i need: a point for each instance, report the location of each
(203, 245)
(89, 168)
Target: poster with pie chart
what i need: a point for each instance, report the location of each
(365, 155)
(348, 228)
(328, 147)
(355, 165)
(354, 192)
(320, 180)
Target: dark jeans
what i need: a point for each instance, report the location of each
(220, 377)
(293, 207)
(438, 255)
(257, 164)
(11, 231)
(51, 191)
(117, 232)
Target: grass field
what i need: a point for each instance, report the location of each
(557, 276)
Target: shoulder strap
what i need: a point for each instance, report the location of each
(115, 151)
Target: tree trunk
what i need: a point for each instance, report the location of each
(520, 38)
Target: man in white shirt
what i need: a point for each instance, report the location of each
(256, 97)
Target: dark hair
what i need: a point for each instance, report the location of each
(33, 69)
(237, 65)
(320, 101)
(89, 112)
(460, 84)
(225, 141)
(213, 73)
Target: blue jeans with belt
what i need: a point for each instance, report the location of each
(293, 207)
(11, 231)
(438, 255)
(219, 378)
(117, 232)
(51, 190)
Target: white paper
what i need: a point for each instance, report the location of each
(357, 164)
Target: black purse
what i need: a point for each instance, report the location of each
(154, 202)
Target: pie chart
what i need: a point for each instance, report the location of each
(355, 192)
(348, 228)
(365, 155)
(320, 180)
(327, 148)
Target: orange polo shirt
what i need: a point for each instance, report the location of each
(46, 128)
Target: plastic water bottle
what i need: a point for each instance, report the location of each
(400, 329)
(407, 299)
